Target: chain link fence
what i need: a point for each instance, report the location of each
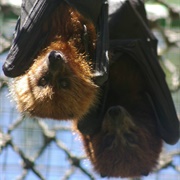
(44, 149)
(32, 148)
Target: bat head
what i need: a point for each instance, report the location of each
(124, 147)
(59, 84)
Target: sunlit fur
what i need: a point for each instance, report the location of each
(128, 144)
(65, 30)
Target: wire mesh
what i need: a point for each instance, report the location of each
(33, 149)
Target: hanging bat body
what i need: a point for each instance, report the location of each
(128, 144)
(123, 121)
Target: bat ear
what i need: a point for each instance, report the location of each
(171, 134)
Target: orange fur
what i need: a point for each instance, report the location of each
(65, 35)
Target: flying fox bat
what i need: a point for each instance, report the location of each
(66, 75)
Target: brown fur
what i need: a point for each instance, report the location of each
(128, 144)
(50, 101)
(114, 155)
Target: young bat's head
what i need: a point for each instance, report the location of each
(125, 147)
(59, 84)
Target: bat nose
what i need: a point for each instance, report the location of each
(54, 57)
(118, 114)
(115, 111)
(55, 61)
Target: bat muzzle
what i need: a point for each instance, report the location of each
(56, 62)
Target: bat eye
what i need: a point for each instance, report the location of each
(43, 82)
(108, 141)
(130, 138)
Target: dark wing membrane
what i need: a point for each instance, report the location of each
(129, 22)
(158, 94)
(90, 8)
(29, 36)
